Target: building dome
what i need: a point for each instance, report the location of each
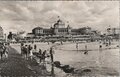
(59, 24)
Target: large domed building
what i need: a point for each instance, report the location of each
(60, 28)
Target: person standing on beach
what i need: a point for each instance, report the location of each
(31, 53)
(52, 60)
(22, 45)
(29, 49)
(51, 54)
(44, 56)
(40, 54)
(26, 51)
(6, 49)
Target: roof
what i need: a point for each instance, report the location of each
(74, 30)
(38, 28)
(47, 29)
(62, 28)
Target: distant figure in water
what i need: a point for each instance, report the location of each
(117, 45)
(106, 44)
(25, 51)
(86, 51)
(77, 46)
(100, 47)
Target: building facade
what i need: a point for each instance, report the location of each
(61, 29)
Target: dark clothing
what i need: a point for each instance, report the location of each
(51, 54)
(40, 51)
(43, 55)
(22, 49)
(29, 48)
(35, 47)
(100, 46)
(25, 50)
(1, 49)
(51, 57)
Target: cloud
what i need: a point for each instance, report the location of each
(25, 15)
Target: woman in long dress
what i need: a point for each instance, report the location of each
(31, 53)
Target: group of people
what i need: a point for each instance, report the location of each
(86, 50)
(26, 50)
(29, 51)
(106, 43)
(101, 43)
(3, 50)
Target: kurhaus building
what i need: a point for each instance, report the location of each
(61, 29)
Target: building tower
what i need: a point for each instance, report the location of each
(68, 28)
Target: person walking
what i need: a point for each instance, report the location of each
(100, 47)
(51, 54)
(22, 46)
(86, 50)
(40, 54)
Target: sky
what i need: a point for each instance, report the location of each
(26, 15)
